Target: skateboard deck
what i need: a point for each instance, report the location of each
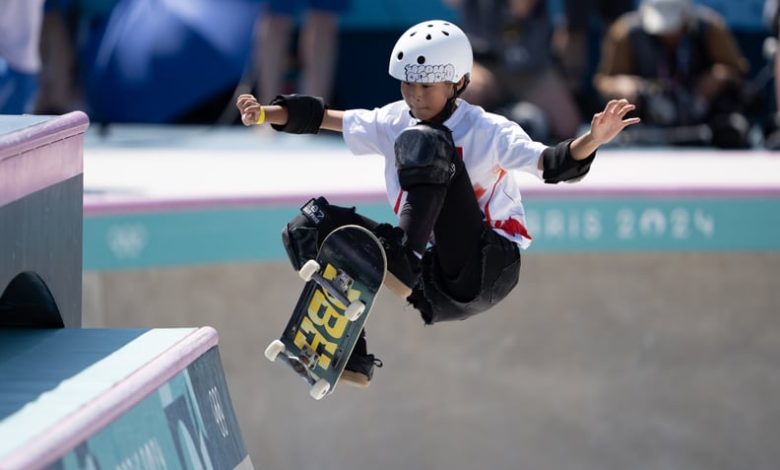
(341, 285)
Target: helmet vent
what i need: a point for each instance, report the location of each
(413, 33)
(400, 55)
(445, 33)
(421, 59)
(428, 37)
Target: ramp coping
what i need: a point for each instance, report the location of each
(24, 171)
(155, 362)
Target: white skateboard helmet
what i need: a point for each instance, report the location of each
(431, 52)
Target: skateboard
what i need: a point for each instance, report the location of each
(341, 285)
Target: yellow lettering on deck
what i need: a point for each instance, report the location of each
(326, 312)
(322, 313)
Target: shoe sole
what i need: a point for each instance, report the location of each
(399, 288)
(354, 378)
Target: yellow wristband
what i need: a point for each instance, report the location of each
(261, 117)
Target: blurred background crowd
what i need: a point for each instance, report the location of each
(702, 72)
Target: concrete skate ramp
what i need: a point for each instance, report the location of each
(41, 186)
(643, 334)
(629, 360)
(73, 399)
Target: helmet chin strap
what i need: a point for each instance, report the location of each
(450, 105)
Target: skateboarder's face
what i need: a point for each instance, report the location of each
(426, 100)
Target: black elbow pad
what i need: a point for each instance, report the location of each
(559, 165)
(304, 113)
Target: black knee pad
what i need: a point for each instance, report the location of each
(303, 235)
(425, 154)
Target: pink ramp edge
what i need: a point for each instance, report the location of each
(74, 429)
(26, 166)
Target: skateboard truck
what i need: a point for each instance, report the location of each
(305, 362)
(308, 357)
(338, 287)
(343, 281)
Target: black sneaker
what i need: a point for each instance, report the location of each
(360, 367)
(403, 265)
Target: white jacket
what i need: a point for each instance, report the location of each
(489, 144)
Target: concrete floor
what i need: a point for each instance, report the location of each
(594, 362)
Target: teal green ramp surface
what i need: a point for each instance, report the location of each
(74, 399)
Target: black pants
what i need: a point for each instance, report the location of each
(469, 268)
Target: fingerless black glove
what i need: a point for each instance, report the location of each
(304, 113)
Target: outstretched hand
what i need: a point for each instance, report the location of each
(611, 121)
(249, 108)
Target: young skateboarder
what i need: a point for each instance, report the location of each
(455, 251)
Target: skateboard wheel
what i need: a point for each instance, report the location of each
(273, 350)
(319, 389)
(354, 310)
(308, 270)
